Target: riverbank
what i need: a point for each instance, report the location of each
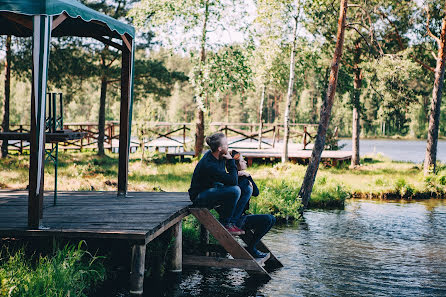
(377, 178)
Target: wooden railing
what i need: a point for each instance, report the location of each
(177, 134)
(251, 131)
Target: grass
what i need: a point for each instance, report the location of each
(70, 271)
(377, 177)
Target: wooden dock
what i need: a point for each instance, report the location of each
(138, 218)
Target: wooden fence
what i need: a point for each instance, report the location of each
(177, 135)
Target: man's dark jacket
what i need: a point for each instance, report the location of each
(209, 171)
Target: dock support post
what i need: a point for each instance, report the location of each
(137, 269)
(204, 238)
(176, 261)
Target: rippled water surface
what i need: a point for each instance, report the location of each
(368, 249)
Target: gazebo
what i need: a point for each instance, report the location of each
(43, 19)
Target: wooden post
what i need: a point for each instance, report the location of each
(137, 269)
(21, 141)
(176, 261)
(184, 137)
(274, 135)
(125, 117)
(305, 137)
(41, 41)
(204, 238)
(250, 132)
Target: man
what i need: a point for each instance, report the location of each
(212, 185)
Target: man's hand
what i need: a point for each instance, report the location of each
(243, 173)
(227, 156)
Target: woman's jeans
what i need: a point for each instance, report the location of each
(224, 196)
(260, 224)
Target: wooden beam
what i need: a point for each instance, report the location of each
(217, 262)
(125, 120)
(126, 42)
(18, 19)
(108, 42)
(220, 233)
(56, 22)
(176, 260)
(137, 270)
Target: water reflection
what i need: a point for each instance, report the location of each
(368, 249)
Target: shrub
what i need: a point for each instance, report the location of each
(404, 189)
(278, 198)
(71, 271)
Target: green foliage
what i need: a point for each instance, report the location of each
(71, 271)
(279, 198)
(403, 188)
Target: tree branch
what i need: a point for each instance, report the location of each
(401, 45)
(427, 27)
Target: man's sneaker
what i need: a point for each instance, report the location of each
(257, 254)
(234, 230)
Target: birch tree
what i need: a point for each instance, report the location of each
(185, 25)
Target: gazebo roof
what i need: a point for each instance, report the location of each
(82, 21)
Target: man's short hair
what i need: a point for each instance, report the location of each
(214, 141)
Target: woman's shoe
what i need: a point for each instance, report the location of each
(257, 254)
(233, 230)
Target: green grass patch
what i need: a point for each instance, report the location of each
(70, 271)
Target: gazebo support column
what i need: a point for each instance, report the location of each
(41, 40)
(125, 115)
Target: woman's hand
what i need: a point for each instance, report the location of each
(243, 173)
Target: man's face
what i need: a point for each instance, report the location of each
(223, 146)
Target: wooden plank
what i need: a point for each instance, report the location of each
(77, 234)
(220, 233)
(217, 262)
(56, 22)
(50, 137)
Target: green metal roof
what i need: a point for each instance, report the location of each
(83, 21)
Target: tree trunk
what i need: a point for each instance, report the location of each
(5, 123)
(199, 133)
(286, 121)
(356, 128)
(327, 104)
(101, 124)
(430, 159)
(262, 99)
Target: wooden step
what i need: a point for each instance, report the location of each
(241, 258)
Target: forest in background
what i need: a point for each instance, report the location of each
(396, 58)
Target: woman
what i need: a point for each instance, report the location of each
(260, 223)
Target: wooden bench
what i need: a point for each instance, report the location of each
(240, 256)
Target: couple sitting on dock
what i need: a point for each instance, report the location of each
(220, 181)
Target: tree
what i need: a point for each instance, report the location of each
(192, 19)
(310, 174)
(5, 123)
(286, 122)
(437, 92)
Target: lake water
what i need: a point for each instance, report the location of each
(368, 249)
(398, 150)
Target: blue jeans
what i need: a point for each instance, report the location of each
(260, 224)
(224, 196)
(246, 192)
